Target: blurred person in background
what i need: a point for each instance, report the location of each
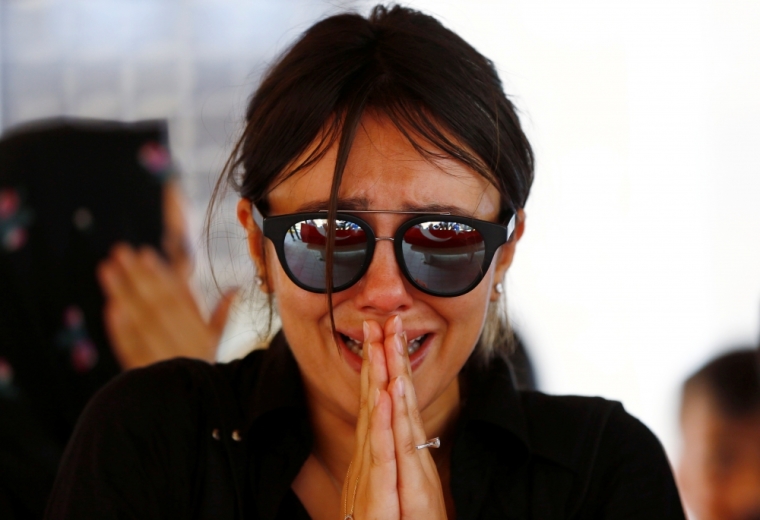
(719, 472)
(90, 214)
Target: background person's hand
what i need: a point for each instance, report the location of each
(392, 478)
(151, 313)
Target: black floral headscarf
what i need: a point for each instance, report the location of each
(69, 190)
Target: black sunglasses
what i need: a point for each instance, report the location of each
(439, 253)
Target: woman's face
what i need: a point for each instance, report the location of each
(384, 172)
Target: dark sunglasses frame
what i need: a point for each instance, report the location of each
(494, 236)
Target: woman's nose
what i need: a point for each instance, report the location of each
(383, 288)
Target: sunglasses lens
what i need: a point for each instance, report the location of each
(443, 257)
(306, 252)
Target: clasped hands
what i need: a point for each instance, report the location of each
(389, 478)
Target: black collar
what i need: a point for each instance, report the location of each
(490, 397)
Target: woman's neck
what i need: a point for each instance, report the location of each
(334, 437)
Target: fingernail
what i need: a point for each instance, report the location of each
(399, 344)
(397, 324)
(400, 386)
(365, 328)
(377, 395)
(403, 335)
(369, 351)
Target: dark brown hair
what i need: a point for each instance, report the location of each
(732, 382)
(443, 95)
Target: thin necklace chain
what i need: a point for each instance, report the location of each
(347, 515)
(350, 516)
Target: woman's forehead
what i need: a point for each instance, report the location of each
(385, 171)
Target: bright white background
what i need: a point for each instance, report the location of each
(641, 257)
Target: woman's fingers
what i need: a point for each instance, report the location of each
(410, 428)
(370, 488)
(381, 448)
(382, 469)
(419, 486)
(372, 492)
(405, 437)
(377, 377)
(399, 367)
(372, 333)
(396, 348)
(391, 477)
(377, 374)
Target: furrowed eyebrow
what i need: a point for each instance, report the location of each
(436, 208)
(357, 204)
(362, 204)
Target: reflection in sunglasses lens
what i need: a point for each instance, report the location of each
(445, 257)
(306, 250)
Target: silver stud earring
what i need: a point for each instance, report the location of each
(258, 280)
(499, 288)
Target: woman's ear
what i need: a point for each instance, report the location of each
(506, 253)
(255, 239)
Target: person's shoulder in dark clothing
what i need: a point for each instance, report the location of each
(140, 441)
(619, 467)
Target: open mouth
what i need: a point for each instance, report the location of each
(355, 346)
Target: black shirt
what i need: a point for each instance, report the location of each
(183, 439)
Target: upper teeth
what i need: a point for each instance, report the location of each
(355, 346)
(415, 344)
